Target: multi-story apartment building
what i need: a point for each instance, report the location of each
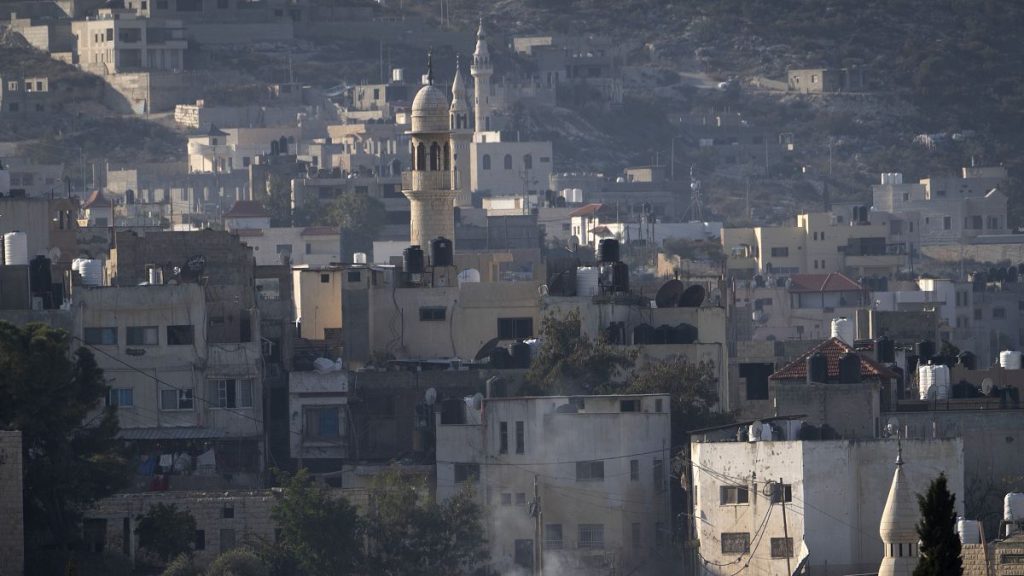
(117, 41)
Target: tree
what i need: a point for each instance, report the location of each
(359, 217)
(279, 200)
(166, 531)
(693, 388)
(321, 534)
(411, 534)
(568, 362)
(238, 562)
(940, 545)
(71, 457)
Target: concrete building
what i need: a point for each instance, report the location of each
(117, 41)
(49, 224)
(505, 168)
(800, 307)
(318, 416)
(234, 149)
(12, 517)
(313, 246)
(601, 499)
(246, 215)
(825, 80)
(29, 95)
(833, 494)
(37, 180)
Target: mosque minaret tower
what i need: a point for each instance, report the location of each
(482, 71)
(461, 136)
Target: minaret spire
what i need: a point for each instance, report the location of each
(430, 67)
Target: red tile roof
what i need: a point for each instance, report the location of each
(320, 231)
(247, 209)
(833, 348)
(834, 282)
(586, 210)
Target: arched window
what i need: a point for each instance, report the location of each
(421, 157)
(486, 162)
(508, 161)
(528, 162)
(435, 157)
(447, 156)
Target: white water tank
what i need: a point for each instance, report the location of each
(1013, 507)
(587, 278)
(969, 531)
(155, 276)
(359, 258)
(933, 381)
(469, 275)
(16, 249)
(842, 328)
(1010, 359)
(577, 195)
(91, 272)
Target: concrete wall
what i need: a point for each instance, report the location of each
(852, 410)
(12, 521)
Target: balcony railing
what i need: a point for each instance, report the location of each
(417, 180)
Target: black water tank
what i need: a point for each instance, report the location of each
(885, 350)
(441, 252)
(643, 334)
(664, 334)
(520, 355)
(967, 360)
(500, 358)
(1011, 274)
(849, 368)
(608, 250)
(925, 351)
(817, 368)
(620, 277)
(39, 275)
(412, 259)
(686, 333)
(615, 333)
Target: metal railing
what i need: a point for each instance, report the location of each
(417, 180)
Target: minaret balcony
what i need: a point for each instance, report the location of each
(427, 180)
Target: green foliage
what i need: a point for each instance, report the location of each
(940, 545)
(568, 362)
(238, 562)
(71, 456)
(320, 535)
(166, 531)
(693, 387)
(278, 201)
(182, 565)
(411, 534)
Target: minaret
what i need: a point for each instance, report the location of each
(462, 134)
(481, 71)
(428, 185)
(898, 527)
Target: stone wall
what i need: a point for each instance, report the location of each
(12, 531)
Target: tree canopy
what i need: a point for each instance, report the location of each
(166, 531)
(940, 544)
(569, 362)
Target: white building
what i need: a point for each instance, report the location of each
(595, 469)
(318, 416)
(231, 149)
(309, 246)
(117, 41)
(833, 493)
(502, 168)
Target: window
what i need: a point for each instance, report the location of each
(591, 535)
(947, 222)
(432, 314)
(486, 162)
(176, 399)
(354, 276)
(735, 542)
(309, 248)
(106, 336)
(528, 162)
(230, 393)
(782, 547)
(998, 313)
(122, 397)
(467, 472)
(227, 539)
(12, 86)
(782, 252)
(503, 438)
(634, 470)
(515, 328)
(508, 161)
(283, 248)
(659, 475)
(520, 437)
(200, 540)
(143, 336)
(590, 471)
(632, 405)
(506, 499)
(782, 493)
(110, 34)
(181, 335)
(323, 422)
(325, 278)
(520, 498)
(977, 313)
(734, 495)
(659, 405)
(553, 537)
(227, 512)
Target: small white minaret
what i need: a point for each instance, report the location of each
(898, 527)
(462, 135)
(428, 185)
(481, 71)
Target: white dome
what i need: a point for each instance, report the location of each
(430, 110)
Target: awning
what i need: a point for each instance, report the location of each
(169, 433)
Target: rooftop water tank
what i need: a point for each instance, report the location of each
(608, 250)
(359, 258)
(933, 381)
(16, 249)
(469, 276)
(412, 259)
(91, 272)
(1010, 359)
(969, 531)
(842, 328)
(587, 281)
(441, 252)
(1013, 507)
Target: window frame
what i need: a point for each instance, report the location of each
(590, 536)
(733, 495)
(90, 333)
(144, 331)
(732, 539)
(178, 331)
(590, 471)
(182, 396)
(116, 396)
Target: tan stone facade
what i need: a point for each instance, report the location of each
(12, 528)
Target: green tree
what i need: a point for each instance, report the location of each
(238, 562)
(320, 534)
(359, 217)
(279, 200)
(182, 565)
(411, 534)
(940, 545)
(693, 387)
(166, 531)
(569, 362)
(71, 458)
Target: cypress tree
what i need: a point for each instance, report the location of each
(940, 544)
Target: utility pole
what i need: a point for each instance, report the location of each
(785, 527)
(538, 529)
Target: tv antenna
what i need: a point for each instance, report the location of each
(696, 211)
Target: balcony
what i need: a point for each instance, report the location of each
(417, 180)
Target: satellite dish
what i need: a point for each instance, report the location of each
(692, 297)
(669, 293)
(478, 401)
(430, 397)
(987, 386)
(892, 427)
(486, 349)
